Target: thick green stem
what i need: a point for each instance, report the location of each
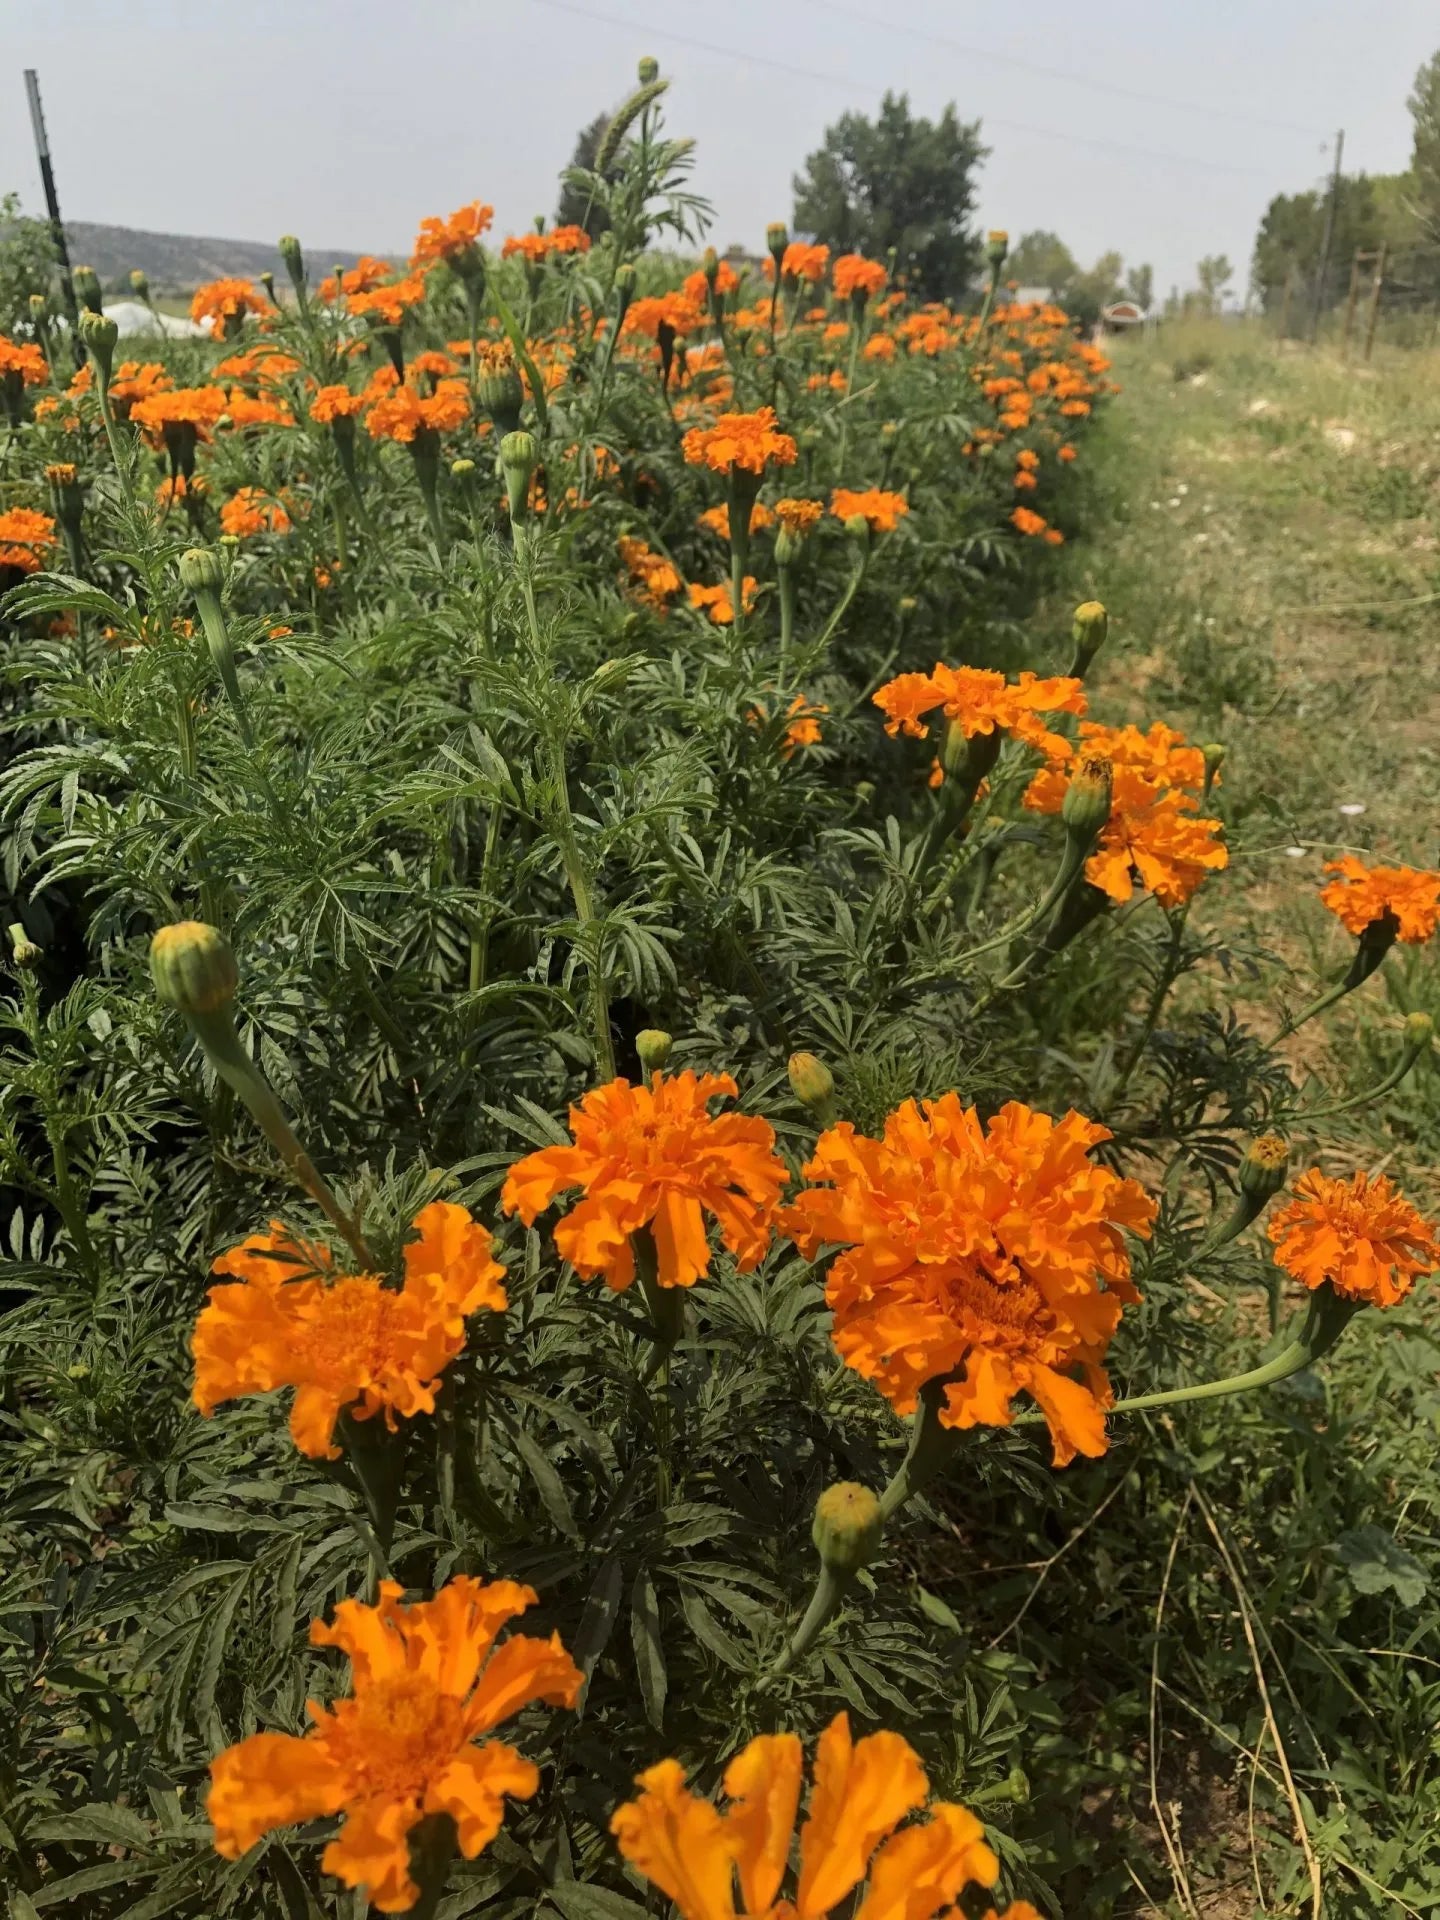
(216, 1033)
(843, 604)
(1375, 942)
(826, 1601)
(785, 577)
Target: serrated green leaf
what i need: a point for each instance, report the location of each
(649, 1648)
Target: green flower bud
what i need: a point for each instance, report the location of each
(1264, 1167)
(201, 570)
(99, 334)
(267, 280)
(1419, 1032)
(140, 283)
(39, 306)
(1086, 806)
(847, 1526)
(519, 457)
(288, 247)
(813, 1085)
(461, 470)
(501, 393)
(857, 528)
(1214, 756)
(653, 1045)
(1087, 635)
(648, 69)
(997, 245)
(193, 968)
(86, 283)
(23, 950)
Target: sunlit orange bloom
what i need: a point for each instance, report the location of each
(367, 272)
(26, 536)
(1028, 522)
(23, 357)
(804, 727)
(991, 1258)
(717, 519)
(197, 407)
(670, 310)
(569, 239)
(1028, 459)
(176, 487)
(439, 366)
(980, 701)
(223, 301)
(862, 1791)
(855, 274)
(444, 239)
(835, 380)
(748, 441)
(1362, 895)
(347, 1341)
(717, 603)
(1360, 1234)
(134, 382)
(697, 287)
(800, 262)
(403, 413)
(335, 403)
(256, 410)
(252, 511)
(1025, 480)
(1065, 453)
(798, 517)
(882, 510)
(531, 246)
(654, 581)
(264, 363)
(837, 330)
(427, 1683)
(388, 304)
(1154, 836)
(654, 1156)
(880, 346)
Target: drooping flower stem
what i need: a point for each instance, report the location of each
(831, 1588)
(1417, 1044)
(1375, 942)
(842, 605)
(1328, 1316)
(216, 1033)
(932, 1448)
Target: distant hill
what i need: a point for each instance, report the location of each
(178, 262)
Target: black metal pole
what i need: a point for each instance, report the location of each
(52, 207)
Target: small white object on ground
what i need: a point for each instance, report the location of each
(133, 318)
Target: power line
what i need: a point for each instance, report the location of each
(838, 80)
(889, 26)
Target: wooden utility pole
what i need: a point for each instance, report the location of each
(52, 207)
(1328, 235)
(1350, 302)
(1375, 287)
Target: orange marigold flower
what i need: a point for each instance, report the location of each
(1360, 1234)
(804, 727)
(749, 441)
(979, 701)
(697, 287)
(800, 262)
(670, 310)
(134, 382)
(991, 1258)
(654, 581)
(1362, 895)
(443, 239)
(654, 1156)
(23, 357)
(346, 1342)
(798, 517)
(717, 519)
(403, 413)
(255, 410)
(882, 510)
(252, 511)
(862, 1791)
(1153, 835)
(855, 274)
(1025, 480)
(388, 304)
(197, 407)
(176, 487)
(717, 603)
(569, 239)
(1027, 458)
(26, 535)
(532, 246)
(880, 346)
(367, 272)
(1028, 522)
(1065, 453)
(224, 303)
(335, 403)
(427, 1683)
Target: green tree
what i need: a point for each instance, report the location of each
(897, 182)
(577, 208)
(1041, 259)
(27, 262)
(1089, 291)
(1214, 274)
(1424, 104)
(1140, 286)
(1292, 232)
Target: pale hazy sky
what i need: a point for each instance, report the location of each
(1157, 127)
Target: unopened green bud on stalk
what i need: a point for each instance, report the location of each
(1214, 757)
(1088, 631)
(462, 470)
(647, 69)
(193, 968)
(267, 280)
(99, 333)
(1086, 806)
(1264, 1167)
(23, 950)
(519, 457)
(653, 1045)
(86, 283)
(1419, 1032)
(201, 570)
(847, 1527)
(140, 284)
(777, 239)
(290, 253)
(997, 245)
(813, 1085)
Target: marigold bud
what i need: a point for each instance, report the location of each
(1088, 630)
(710, 266)
(997, 245)
(813, 1085)
(653, 1045)
(288, 247)
(1086, 806)
(140, 282)
(648, 69)
(86, 283)
(857, 527)
(461, 469)
(267, 280)
(193, 968)
(23, 950)
(99, 332)
(201, 570)
(39, 306)
(502, 395)
(1264, 1166)
(1419, 1032)
(847, 1526)
(1214, 757)
(519, 456)
(777, 239)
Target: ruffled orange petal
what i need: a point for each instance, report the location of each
(682, 1251)
(595, 1235)
(457, 1250)
(532, 1183)
(1074, 1415)
(270, 1780)
(312, 1422)
(372, 1850)
(522, 1670)
(763, 1783)
(926, 1867)
(472, 1789)
(679, 1842)
(861, 1793)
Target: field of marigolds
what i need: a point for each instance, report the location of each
(630, 1134)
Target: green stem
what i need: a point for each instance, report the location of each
(107, 415)
(1072, 865)
(1169, 973)
(579, 882)
(216, 1033)
(1375, 942)
(1302, 1116)
(842, 605)
(826, 1601)
(785, 578)
(67, 1200)
(849, 390)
